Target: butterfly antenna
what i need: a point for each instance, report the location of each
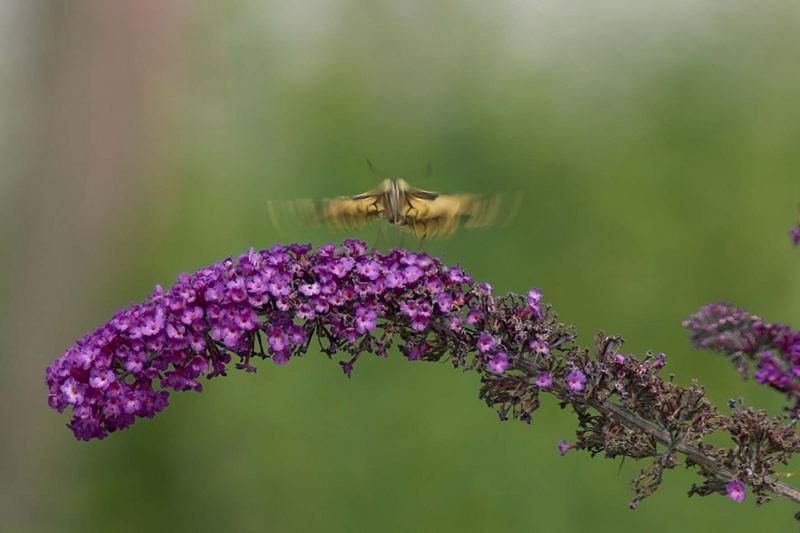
(375, 170)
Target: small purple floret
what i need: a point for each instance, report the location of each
(534, 301)
(564, 447)
(499, 363)
(544, 380)
(736, 491)
(539, 346)
(486, 343)
(659, 362)
(576, 380)
(794, 233)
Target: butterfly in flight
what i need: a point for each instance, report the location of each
(426, 214)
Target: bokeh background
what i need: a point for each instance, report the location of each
(655, 145)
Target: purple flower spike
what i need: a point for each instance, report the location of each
(773, 348)
(794, 233)
(269, 304)
(736, 491)
(576, 380)
(265, 304)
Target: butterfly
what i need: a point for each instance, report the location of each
(426, 214)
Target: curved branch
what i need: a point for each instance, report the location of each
(633, 421)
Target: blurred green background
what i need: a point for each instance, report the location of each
(655, 143)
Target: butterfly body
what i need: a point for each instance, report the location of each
(427, 214)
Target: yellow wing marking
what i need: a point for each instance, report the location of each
(344, 212)
(440, 215)
(350, 212)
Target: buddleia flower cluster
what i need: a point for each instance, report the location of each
(270, 304)
(773, 349)
(749, 341)
(348, 301)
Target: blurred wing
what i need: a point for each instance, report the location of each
(342, 212)
(431, 215)
(350, 212)
(418, 194)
